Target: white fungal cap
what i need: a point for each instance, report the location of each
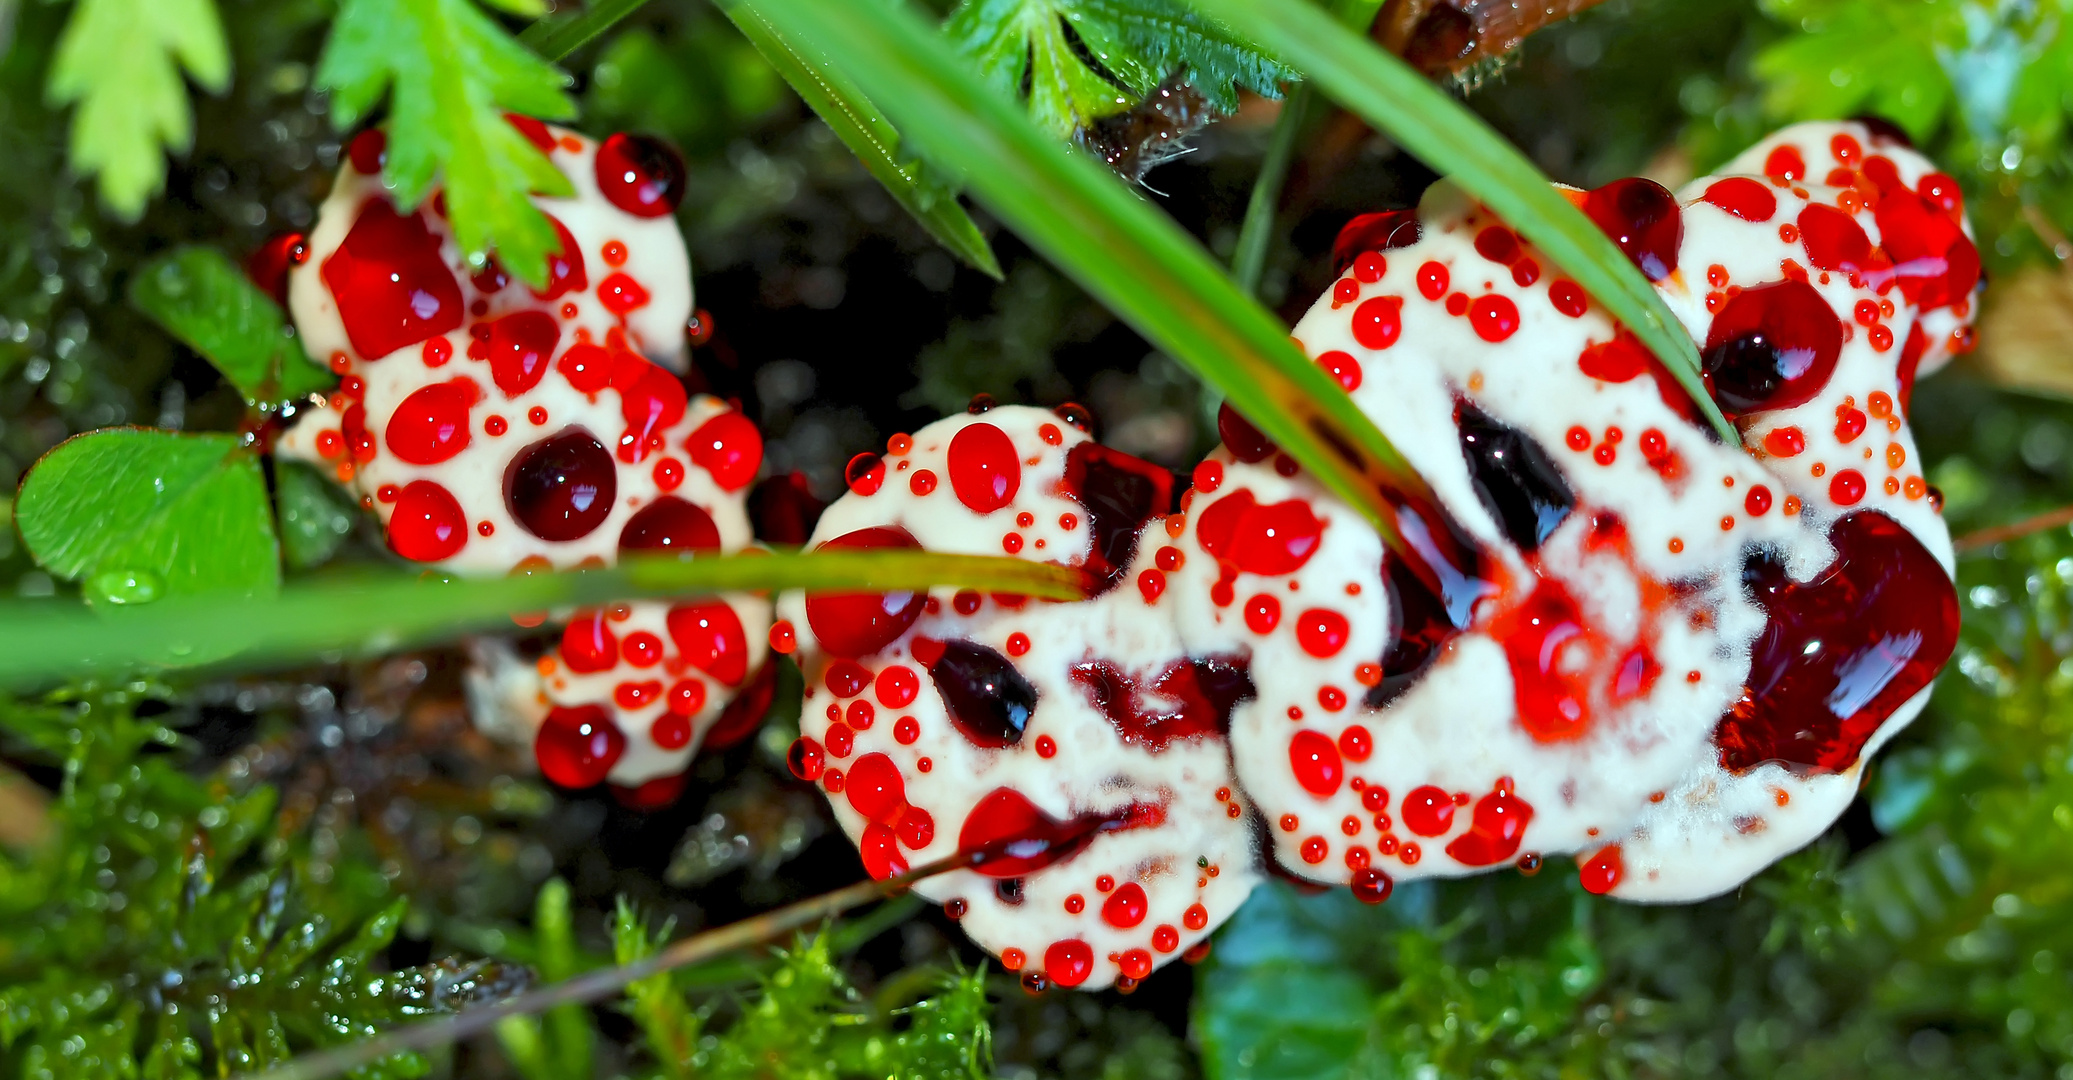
(496, 428)
(960, 721)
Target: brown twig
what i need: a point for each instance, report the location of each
(594, 985)
(1995, 534)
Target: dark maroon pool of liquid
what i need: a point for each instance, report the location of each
(1432, 596)
(1006, 836)
(1841, 652)
(1186, 699)
(1642, 217)
(1771, 347)
(1120, 493)
(562, 487)
(1514, 477)
(990, 703)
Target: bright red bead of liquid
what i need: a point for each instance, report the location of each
(427, 524)
(1494, 830)
(393, 289)
(431, 425)
(856, 624)
(641, 175)
(577, 747)
(1427, 810)
(984, 470)
(729, 447)
(1277, 538)
(709, 635)
(1314, 759)
(1125, 907)
(561, 487)
(1642, 217)
(670, 524)
(519, 347)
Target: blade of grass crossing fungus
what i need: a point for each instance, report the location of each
(869, 135)
(1445, 134)
(44, 641)
(556, 36)
(1109, 240)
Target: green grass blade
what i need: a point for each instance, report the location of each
(556, 36)
(868, 134)
(1445, 134)
(1113, 243)
(43, 642)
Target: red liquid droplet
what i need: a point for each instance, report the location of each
(587, 367)
(1841, 652)
(1205, 690)
(1495, 830)
(1785, 163)
(269, 265)
(1615, 361)
(729, 447)
(990, 703)
(1267, 540)
(650, 400)
(1315, 761)
(858, 624)
(1009, 837)
(1568, 298)
(431, 425)
(880, 849)
(519, 346)
(1750, 200)
(1603, 872)
(1497, 244)
(1068, 963)
(1125, 907)
(1495, 318)
(1427, 810)
(641, 175)
(1322, 632)
(1120, 493)
(1245, 441)
(1771, 347)
(428, 524)
(393, 289)
(1371, 886)
(805, 759)
(1642, 217)
(1833, 239)
(1552, 695)
(876, 789)
(565, 271)
(1932, 259)
(670, 524)
(710, 636)
(1378, 322)
(588, 645)
(561, 487)
(1384, 231)
(577, 747)
(984, 470)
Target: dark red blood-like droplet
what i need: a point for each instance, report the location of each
(640, 174)
(984, 470)
(1840, 653)
(652, 795)
(1125, 907)
(1068, 963)
(427, 525)
(1187, 699)
(670, 524)
(576, 747)
(562, 487)
(784, 508)
(806, 759)
(709, 635)
(565, 273)
(1315, 760)
(1427, 810)
(519, 347)
(393, 289)
(850, 625)
(729, 447)
(1642, 217)
(880, 849)
(1833, 239)
(1746, 198)
(1771, 347)
(534, 131)
(876, 789)
(1010, 838)
(1120, 493)
(1498, 244)
(588, 644)
(745, 713)
(1385, 231)
(431, 425)
(270, 263)
(1553, 698)
(1494, 832)
(1604, 870)
(1245, 441)
(990, 703)
(1911, 362)
(1277, 538)
(1932, 259)
(1514, 477)
(368, 151)
(650, 399)
(1371, 886)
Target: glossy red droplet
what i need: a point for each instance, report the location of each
(565, 270)
(640, 174)
(1933, 260)
(1314, 758)
(1497, 244)
(269, 265)
(1833, 240)
(1771, 347)
(1615, 361)
(1378, 321)
(709, 635)
(519, 347)
(917, 828)
(1641, 216)
(1602, 872)
(1494, 830)
(1371, 886)
(1262, 614)
(1384, 231)
(857, 624)
(1941, 191)
(587, 367)
(1356, 744)
(1427, 810)
(1846, 488)
(1342, 367)
(368, 151)
(876, 789)
(561, 487)
(880, 849)
(670, 524)
(427, 524)
(1125, 907)
(1432, 280)
(1008, 837)
(1276, 538)
(1068, 963)
(1785, 163)
(805, 759)
(1322, 632)
(730, 447)
(650, 400)
(621, 294)
(577, 747)
(431, 425)
(1568, 297)
(1245, 441)
(1744, 197)
(1551, 694)
(392, 287)
(588, 644)
(1840, 653)
(1494, 317)
(687, 698)
(984, 470)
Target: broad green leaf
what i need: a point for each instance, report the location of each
(120, 62)
(1120, 249)
(41, 642)
(870, 136)
(450, 73)
(316, 516)
(1397, 100)
(206, 301)
(136, 514)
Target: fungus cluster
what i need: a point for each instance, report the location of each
(1605, 634)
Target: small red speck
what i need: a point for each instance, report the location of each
(1315, 849)
(1011, 543)
(486, 528)
(1331, 698)
(1432, 280)
(1018, 643)
(1350, 826)
(1676, 545)
(1289, 823)
(1727, 524)
(1579, 438)
(1605, 454)
(1692, 676)
(1847, 487)
(537, 414)
(615, 253)
(924, 764)
(782, 638)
